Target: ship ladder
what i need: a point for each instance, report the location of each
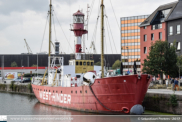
(43, 82)
(54, 83)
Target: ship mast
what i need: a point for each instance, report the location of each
(102, 38)
(50, 22)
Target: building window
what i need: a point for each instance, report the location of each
(145, 50)
(157, 26)
(153, 27)
(145, 27)
(76, 62)
(178, 46)
(171, 30)
(152, 36)
(145, 38)
(178, 29)
(160, 35)
(160, 26)
(163, 14)
(170, 44)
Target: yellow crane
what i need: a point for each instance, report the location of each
(28, 48)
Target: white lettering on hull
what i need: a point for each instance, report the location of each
(62, 98)
(65, 98)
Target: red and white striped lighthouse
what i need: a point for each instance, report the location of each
(78, 28)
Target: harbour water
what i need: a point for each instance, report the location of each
(16, 104)
(26, 108)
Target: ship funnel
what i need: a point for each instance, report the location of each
(56, 48)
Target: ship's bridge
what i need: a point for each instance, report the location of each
(82, 66)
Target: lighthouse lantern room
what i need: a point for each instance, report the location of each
(78, 29)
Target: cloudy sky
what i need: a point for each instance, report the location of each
(26, 19)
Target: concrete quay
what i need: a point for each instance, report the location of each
(9, 82)
(164, 91)
(163, 100)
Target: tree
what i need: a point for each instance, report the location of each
(14, 64)
(98, 64)
(161, 59)
(116, 64)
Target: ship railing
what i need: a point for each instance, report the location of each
(75, 82)
(83, 56)
(55, 67)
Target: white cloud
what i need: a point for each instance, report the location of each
(4, 42)
(26, 20)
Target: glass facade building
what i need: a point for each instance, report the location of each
(130, 41)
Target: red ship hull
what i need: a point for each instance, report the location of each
(115, 95)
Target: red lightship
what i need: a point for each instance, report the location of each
(79, 86)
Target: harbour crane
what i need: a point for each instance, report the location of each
(28, 48)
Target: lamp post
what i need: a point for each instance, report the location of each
(179, 69)
(37, 64)
(178, 64)
(128, 58)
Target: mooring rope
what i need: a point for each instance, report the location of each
(100, 102)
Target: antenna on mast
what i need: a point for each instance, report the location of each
(87, 17)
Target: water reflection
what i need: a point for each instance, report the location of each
(29, 107)
(42, 109)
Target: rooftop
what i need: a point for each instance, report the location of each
(171, 6)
